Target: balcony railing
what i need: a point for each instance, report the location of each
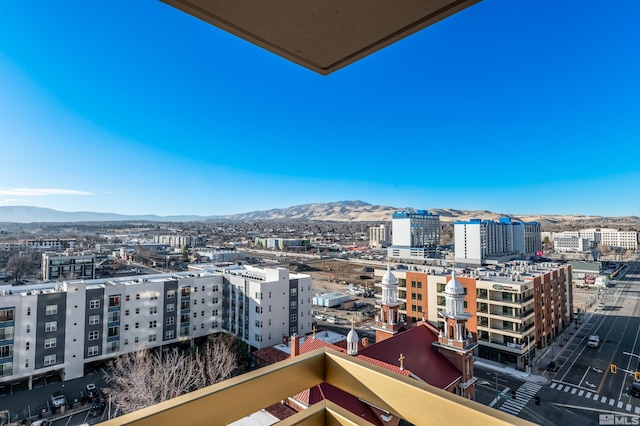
(401, 396)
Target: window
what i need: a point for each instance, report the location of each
(28, 328)
(294, 305)
(215, 300)
(50, 343)
(294, 292)
(137, 296)
(7, 351)
(293, 318)
(27, 345)
(94, 304)
(126, 312)
(258, 309)
(114, 300)
(171, 294)
(51, 310)
(153, 310)
(49, 359)
(153, 296)
(113, 346)
(137, 311)
(126, 341)
(170, 307)
(94, 319)
(126, 327)
(184, 291)
(169, 334)
(7, 315)
(135, 340)
(153, 324)
(93, 335)
(258, 296)
(28, 311)
(171, 320)
(137, 325)
(113, 331)
(6, 369)
(152, 338)
(258, 337)
(127, 297)
(113, 316)
(50, 326)
(203, 300)
(195, 301)
(216, 288)
(202, 288)
(195, 315)
(214, 312)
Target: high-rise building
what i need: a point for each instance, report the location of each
(478, 242)
(379, 236)
(415, 235)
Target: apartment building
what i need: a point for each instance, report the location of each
(608, 237)
(38, 244)
(515, 308)
(61, 266)
(180, 241)
(415, 235)
(63, 327)
(478, 242)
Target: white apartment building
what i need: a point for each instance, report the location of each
(478, 242)
(60, 266)
(63, 327)
(609, 237)
(180, 241)
(571, 244)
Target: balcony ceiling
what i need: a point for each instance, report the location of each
(322, 35)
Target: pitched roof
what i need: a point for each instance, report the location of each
(420, 356)
(271, 355)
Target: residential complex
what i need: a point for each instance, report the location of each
(63, 327)
(516, 307)
(585, 239)
(415, 235)
(478, 242)
(180, 241)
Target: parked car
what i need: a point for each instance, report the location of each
(97, 408)
(635, 388)
(594, 341)
(553, 366)
(600, 306)
(43, 422)
(92, 391)
(58, 399)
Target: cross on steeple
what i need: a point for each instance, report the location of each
(401, 359)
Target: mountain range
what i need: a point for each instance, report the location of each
(341, 211)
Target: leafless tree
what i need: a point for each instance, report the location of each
(140, 379)
(20, 265)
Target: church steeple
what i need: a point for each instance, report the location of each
(455, 341)
(387, 319)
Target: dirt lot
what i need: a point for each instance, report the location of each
(333, 276)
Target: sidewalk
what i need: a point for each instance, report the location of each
(534, 378)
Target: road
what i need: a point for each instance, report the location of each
(584, 381)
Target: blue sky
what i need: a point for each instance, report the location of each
(134, 107)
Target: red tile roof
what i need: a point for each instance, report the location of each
(420, 356)
(271, 355)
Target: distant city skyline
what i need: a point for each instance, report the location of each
(525, 107)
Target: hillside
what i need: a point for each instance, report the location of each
(339, 211)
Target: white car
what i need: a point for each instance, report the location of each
(594, 341)
(600, 305)
(321, 316)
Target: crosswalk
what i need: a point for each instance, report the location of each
(523, 395)
(593, 396)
